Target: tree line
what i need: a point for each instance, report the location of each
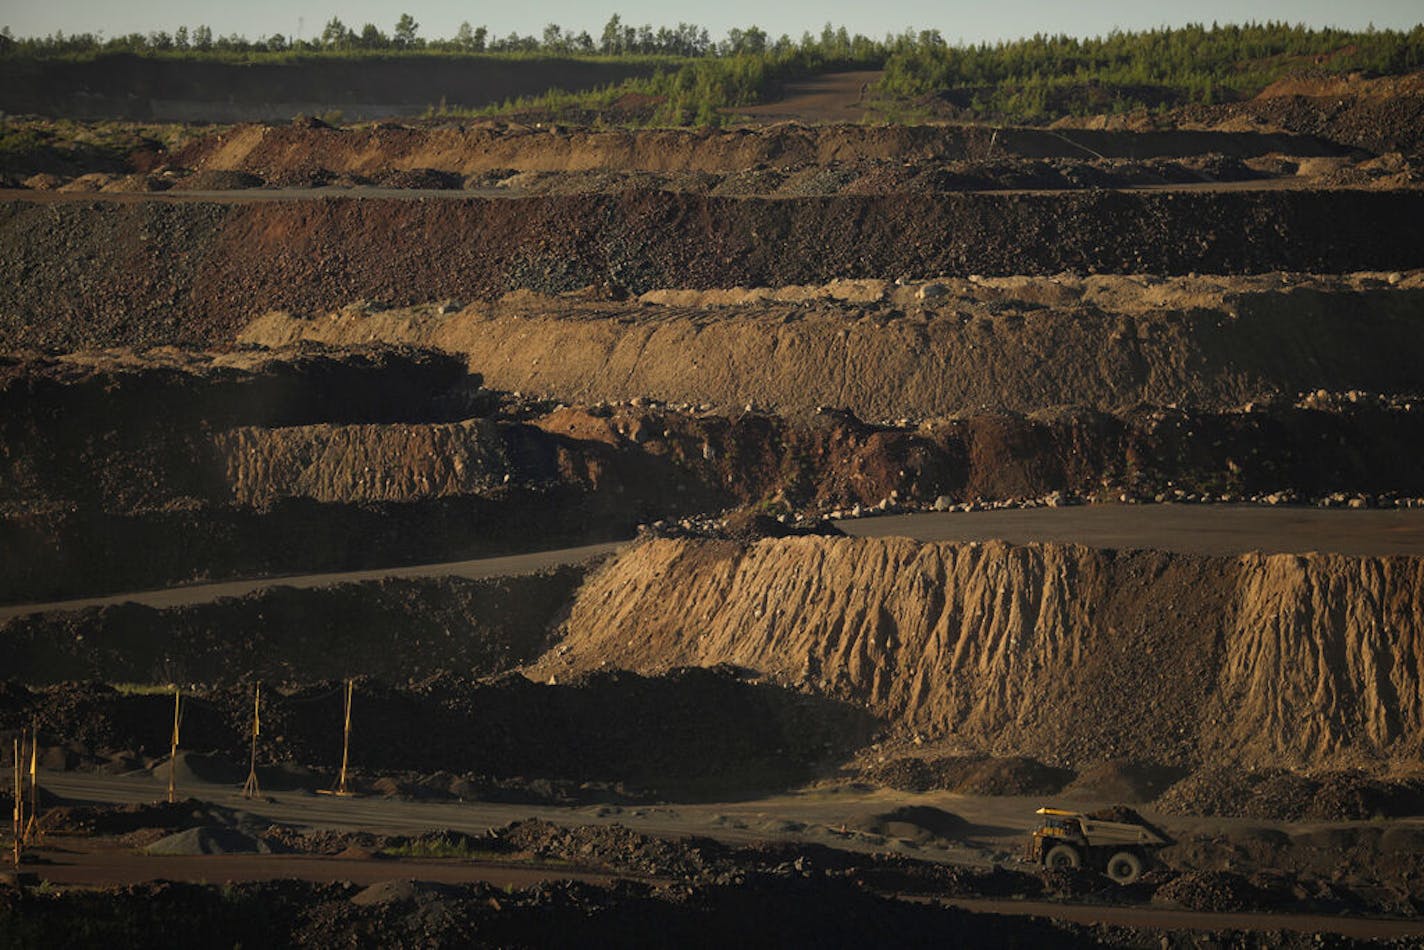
(617, 38)
(697, 78)
(1044, 76)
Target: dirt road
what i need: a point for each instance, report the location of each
(830, 97)
(74, 861)
(995, 827)
(1188, 529)
(1185, 529)
(206, 593)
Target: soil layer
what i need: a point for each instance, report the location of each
(74, 275)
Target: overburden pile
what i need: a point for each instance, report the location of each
(1068, 654)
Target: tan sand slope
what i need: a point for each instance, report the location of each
(1057, 651)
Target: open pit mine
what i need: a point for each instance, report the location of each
(659, 536)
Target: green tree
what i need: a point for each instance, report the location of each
(405, 31)
(751, 41)
(471, 40)
(373, 38)
(335, 34)
(612, 39)
(554, 39)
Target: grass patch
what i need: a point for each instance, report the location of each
(461, 848)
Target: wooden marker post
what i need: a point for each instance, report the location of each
(19, 805)
(173, 754)
(32, 827)
(250, 788)
(341, 789)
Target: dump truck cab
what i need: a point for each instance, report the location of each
(1070, 839)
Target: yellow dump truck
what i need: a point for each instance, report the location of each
(1070, 839)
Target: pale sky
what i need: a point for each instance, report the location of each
(957, 20)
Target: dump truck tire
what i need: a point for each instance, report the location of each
(1062, 856)
(1124, 867)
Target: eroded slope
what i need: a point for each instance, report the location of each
(1060, 652)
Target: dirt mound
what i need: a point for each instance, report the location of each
(987, 643)
(279, 153)
(421, 178)
(750, 525)
(1125, 781)
(1354, 85)
(193, 768)
(1351, 795)
(1215, 891)
(205, 840)
(220, 264)
(1073, 883)
(882, 177)
(1382, 115)
(43, 181)
(971, 775)
(1015, 775)
(1017, 344)
(1339, 869)
(139, 184)
(617, 847)
(402, 892)
(94, 181)
(216, 180)
(1290, 796)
